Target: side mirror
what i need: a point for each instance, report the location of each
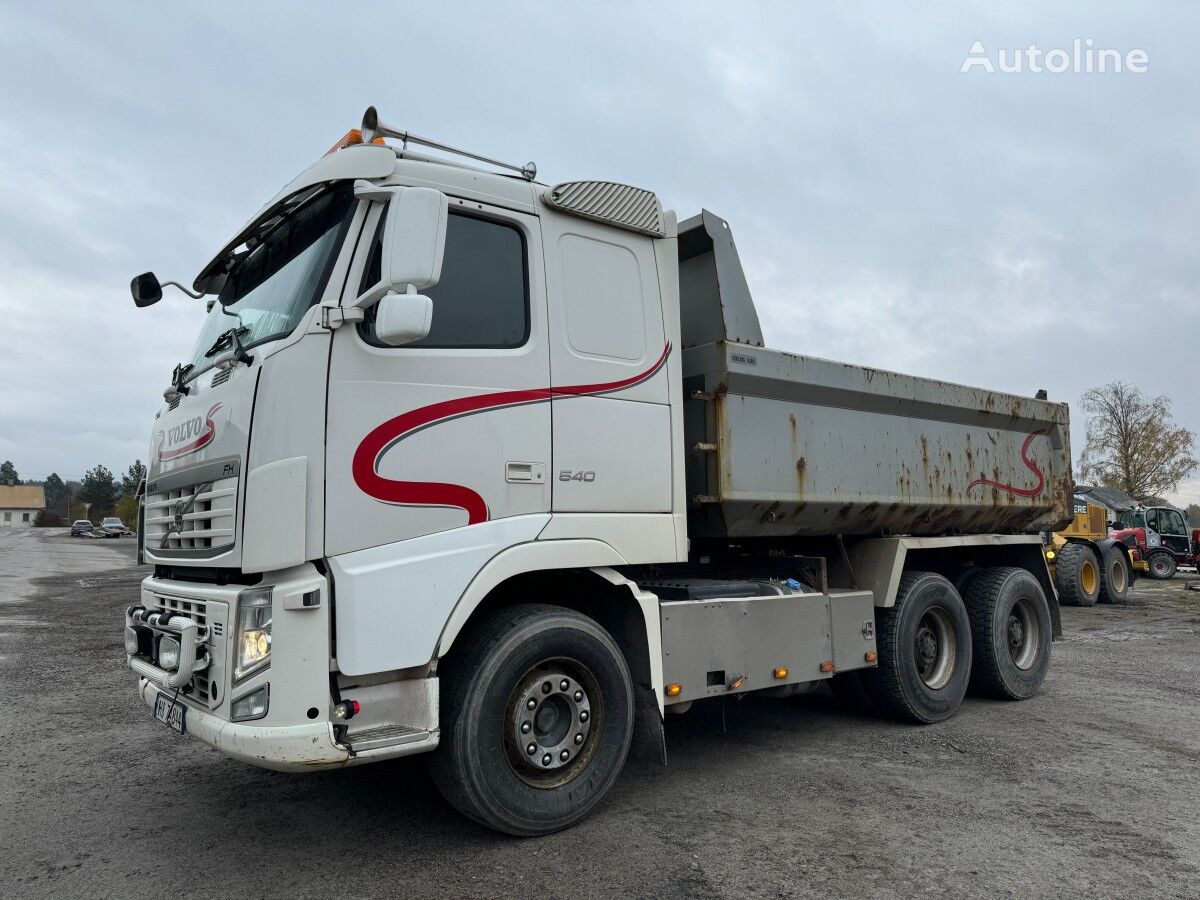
(145, 289)
(403, 318)
(414, 240)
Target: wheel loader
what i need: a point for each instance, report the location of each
(1086, 564)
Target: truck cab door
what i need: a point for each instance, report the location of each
(446, 432)
(611, 407)
(1172, 530)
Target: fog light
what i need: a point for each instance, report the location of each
(131, 641)
(168, 653)
(252, 706)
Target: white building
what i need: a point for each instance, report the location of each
(20, 504)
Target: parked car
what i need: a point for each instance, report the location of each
(81, 528)
(111, 526)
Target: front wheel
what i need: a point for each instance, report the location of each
(1077, 575)
(924, 643)
(1162, 565)
(537, 718)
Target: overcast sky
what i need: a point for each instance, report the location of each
(1014, 231)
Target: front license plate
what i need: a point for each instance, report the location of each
(169, 713)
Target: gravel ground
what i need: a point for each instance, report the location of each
(1089, 789)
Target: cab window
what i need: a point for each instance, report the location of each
(482, 298)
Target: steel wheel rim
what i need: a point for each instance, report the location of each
(1088, 577)
(1160, 565)
(1024, 634)
(1116, 576)
(563, 725)
(935, 648)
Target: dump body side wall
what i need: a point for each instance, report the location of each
(784, 445)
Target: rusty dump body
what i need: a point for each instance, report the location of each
(781, 445)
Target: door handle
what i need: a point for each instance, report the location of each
(525, 473)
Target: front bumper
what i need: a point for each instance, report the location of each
(298, 731)
(283, 748)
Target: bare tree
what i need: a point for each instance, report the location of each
(1133, 443)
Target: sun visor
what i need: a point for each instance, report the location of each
(364, 161)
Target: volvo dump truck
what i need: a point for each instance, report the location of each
(470, 465)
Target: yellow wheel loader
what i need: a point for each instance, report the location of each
(1086, 564)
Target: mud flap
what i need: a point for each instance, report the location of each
(649, 743)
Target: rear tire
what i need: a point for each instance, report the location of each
(1114, 576)
(924, 644)
(1011, 632)
(580, 734)
(1077, 575)
(1162, 565)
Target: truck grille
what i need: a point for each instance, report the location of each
(192, 517)
(206, 615)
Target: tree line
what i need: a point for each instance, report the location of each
(97, 494)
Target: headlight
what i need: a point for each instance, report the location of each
(168, 653)
(252, 706)
(253, 631)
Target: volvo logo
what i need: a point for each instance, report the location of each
(182, 507)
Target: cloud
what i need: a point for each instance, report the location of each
(1012, 231)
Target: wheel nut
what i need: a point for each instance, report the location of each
(525, 726)
(531, 749)
(578, 740)
(578, 696)
(564, 684)
(531, 704)
(546, 760)
(546, 687)
(583, 715)
(564, 756)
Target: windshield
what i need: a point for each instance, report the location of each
(111, 522)
(273, 283)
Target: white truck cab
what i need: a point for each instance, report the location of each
(430, 474)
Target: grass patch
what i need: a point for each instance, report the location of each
(1187, 599)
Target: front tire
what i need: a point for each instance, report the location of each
(496, 707)
(1077, 575)
(924, 644)
(1162, 565)
(1011, 633)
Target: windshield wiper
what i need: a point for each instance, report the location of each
(227, 339)
(231, 340)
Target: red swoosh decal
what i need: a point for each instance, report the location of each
(1029, 464)
(365, 465)
(205, 438)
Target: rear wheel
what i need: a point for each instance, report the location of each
(924, 643)
(1011, 633)
(1114, 576)
(537, 718)
(1077, 575)
(1162, 565)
